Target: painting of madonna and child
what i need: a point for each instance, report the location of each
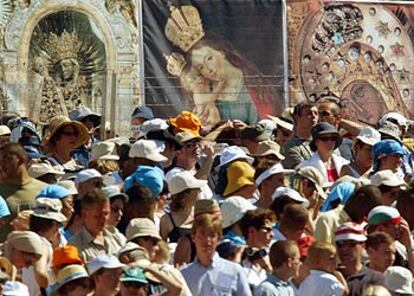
(220, 59)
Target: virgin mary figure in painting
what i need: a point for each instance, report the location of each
(238, 89)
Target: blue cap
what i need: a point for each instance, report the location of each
(387, 147)
(143, 112)
(150, 177)
(4, 209)
(54, 191)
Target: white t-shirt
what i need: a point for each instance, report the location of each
(208, 194)
(321, 283)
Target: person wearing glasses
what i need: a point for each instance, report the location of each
(330, 111)
(257, 228)
(63, 138)
(187, 158)
(325, 139)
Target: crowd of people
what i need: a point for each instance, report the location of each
(306, 203)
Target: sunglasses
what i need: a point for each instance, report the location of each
(191, 144)
(326, 139)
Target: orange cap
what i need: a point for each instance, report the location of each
(66, 255)
(187, 121)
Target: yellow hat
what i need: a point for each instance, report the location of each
(239, 174)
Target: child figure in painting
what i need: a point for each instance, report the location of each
(204, 95)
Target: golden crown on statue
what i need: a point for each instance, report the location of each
(175, 63)
(184, 27)
(63, 47)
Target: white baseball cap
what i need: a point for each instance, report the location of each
(37, 170)
(232, 153)
(15, 289)
(387, 178)
(292, 193)
(87, 174)
(107, 261)
(183, 181)
(4, 130)
(369, 136)
(234, 208)
(104, 151)
(275, 169)
(399, 280)
(146, 149)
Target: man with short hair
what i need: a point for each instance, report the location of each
(292, 226)
(323, 278)
(257, 228)
(297, 149)
(209, 273)
(285, 261)
(105, 271)
(16, 186)
(381, 250)
(350, 238)
(94, 238)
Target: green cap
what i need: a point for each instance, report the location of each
(134, 274)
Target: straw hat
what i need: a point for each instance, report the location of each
(7, 267)
(268, 147)
(68, 274)
(61, 121)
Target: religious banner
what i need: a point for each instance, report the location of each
(220, 59)
(357, 53)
